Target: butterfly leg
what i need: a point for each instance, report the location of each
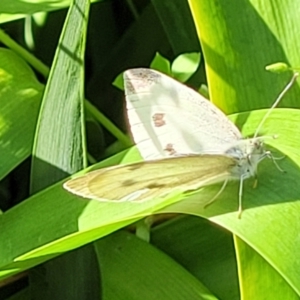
(270, 155)
(217, 195)
(240, 210)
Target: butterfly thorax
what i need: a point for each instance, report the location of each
(248, 153)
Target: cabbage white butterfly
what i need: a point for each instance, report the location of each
(185, 140)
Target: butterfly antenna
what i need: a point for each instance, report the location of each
(288, 86)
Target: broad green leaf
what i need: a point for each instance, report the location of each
(20, 94)
(59, 149)
(238, 42)
(122, 256)
(204, 249)
(266, 281)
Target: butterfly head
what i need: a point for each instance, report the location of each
(248, 154)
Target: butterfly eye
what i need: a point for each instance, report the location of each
(259, 144)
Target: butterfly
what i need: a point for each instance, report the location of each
(185, 140)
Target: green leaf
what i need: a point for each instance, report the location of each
(59, 147)
(118, 82)
(266, 280)
(20, 95)
(124, 256)
(185, 65)
(204, 249)
(20, 9)
(238, 42)
(161, 64)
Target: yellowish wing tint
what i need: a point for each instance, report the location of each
(152, 179)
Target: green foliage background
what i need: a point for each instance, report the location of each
(53, 100)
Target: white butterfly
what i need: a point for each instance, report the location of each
(169, 119)
(187, 143)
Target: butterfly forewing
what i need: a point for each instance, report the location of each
(147, 180)
(167, 118)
